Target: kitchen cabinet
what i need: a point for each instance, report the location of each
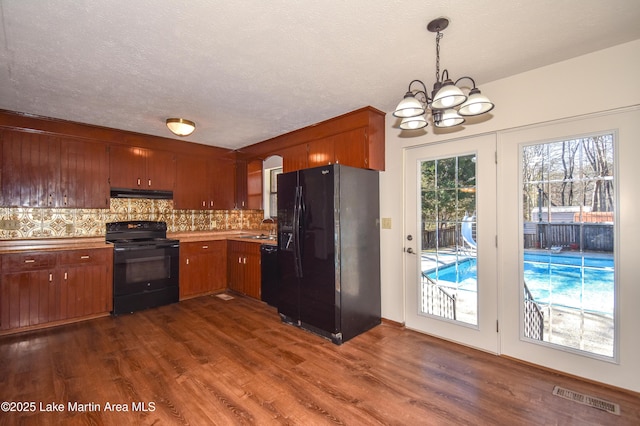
(86, 282)
(351, 148)
(294, 158)
(84, 174)
(354, 139)
(39, 170)
(249, 184)
(204, 184)
(203, 267)
(254, 185)
(347, 148)
(222, 173)
(141, 168)
(29, 292)
(41, 287)
(244, 268)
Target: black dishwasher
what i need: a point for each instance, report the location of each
(269, 271)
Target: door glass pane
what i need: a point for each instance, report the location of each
(448, 286)
(568, 254)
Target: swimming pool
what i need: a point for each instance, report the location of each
(571, 281)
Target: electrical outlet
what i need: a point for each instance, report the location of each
(386, 223)
(10, 225)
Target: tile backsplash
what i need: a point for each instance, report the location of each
(25, 222)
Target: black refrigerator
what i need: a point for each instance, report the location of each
(329, 250)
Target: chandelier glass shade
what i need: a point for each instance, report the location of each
(181, 126)
(448, 104)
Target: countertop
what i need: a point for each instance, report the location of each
(188, 237)
(17, 246)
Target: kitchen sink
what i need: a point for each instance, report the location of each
(260, 237)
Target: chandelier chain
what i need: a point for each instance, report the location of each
(438, 37)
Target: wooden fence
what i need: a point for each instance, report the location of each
(573, 236)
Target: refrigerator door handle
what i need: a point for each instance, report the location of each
(295, 232)
(299, 232)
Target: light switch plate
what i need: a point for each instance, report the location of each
(386, 223)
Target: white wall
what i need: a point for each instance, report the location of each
(601, 81)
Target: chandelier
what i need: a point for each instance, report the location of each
(448, 103)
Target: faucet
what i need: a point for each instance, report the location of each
(272, 230)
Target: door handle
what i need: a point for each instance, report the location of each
(410, 251)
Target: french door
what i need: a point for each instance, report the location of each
(450, 241)
(460, 205)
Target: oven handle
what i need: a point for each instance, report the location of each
(121, 249)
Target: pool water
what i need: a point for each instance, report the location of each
(571, 281)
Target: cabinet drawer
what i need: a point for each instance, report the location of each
(83, 257)
(29, 261)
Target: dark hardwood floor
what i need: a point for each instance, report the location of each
(209, 361)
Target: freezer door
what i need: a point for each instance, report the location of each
(287, 299)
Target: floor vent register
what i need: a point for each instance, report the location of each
(591, 401)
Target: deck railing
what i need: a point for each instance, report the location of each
(533, 317)
(436, 301)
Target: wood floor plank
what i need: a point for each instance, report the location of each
(210, 361)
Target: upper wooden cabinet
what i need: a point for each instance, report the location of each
(141, 168)
(249, 184)
(40, 170)
(84, 174)
(254, 185)
(349, 148)
(294, 157)
(355, 139)
(204, 183)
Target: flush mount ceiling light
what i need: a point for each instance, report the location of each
(180, 126)
(448, 103)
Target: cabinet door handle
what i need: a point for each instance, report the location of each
(66, 202)
(204, 204)
(244, 260)
(65, 276)
(30, 261)
(239, 259)
(85, 257)
(139, 181)
(149, 182)
(205, 247)
(187, 261)
(50, 277)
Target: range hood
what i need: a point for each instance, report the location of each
(141, 193)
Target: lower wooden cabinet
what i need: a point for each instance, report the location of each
(203, 267)
(86, 282)
(37, 288)
(244, 268)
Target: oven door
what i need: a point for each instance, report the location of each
(144, 269)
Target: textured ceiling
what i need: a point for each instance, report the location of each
(248, 70)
